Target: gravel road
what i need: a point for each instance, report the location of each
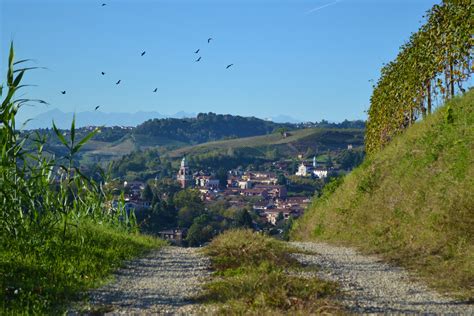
(161, 283)
(371, 286)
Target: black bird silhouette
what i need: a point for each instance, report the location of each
(104, 4)
(63, 92)
(97, 107)
(198, 59)
(209, 40)
(197, 51)
(156, 89)
(103, 73)
(228, 66)
(143, 53)
(118, 82)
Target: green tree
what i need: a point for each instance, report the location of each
(200, 231)
(281, 130)
(286, 227)
(147, 193)
(186, 216)
(190, 198)
(349, 159)
(163, 215)
(221, 175)
(281, 179)
(280, 217)
(243, 219)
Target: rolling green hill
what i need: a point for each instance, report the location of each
(256, 152)
(412, 202)
(296, 142)
(167, 134)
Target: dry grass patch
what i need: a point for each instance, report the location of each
(253, 277)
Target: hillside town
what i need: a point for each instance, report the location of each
(264, 194)
(269, 198)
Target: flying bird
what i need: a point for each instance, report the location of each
(103, 73)
(209, 40)
(198, 59)
(156, 89)
(118, 82)
(63, 92)
(143, 53)
(104, 4)
(97, 107)
(228, 66)
(197, 51)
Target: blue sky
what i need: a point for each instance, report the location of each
(289, 56)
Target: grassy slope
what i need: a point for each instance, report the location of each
(413, 202)
(298, 141)
(125, 145)
(41, 282)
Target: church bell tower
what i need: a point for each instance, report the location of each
(184, 174)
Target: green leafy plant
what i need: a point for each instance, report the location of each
(56, 224)
(433, 65)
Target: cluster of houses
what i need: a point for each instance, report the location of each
(261, 190)
(258, 190)
(133, 197)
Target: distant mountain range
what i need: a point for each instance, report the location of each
(97, 118)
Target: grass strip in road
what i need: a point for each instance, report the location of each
(255, 274)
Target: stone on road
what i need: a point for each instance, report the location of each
(372, 286)
(163, 282)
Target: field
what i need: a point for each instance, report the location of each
(297, 141)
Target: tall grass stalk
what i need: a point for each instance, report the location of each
(48, 211)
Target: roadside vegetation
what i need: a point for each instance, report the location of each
(411, 199)
(59, 234)
(432, 67)
(255, 274)
(412, 202)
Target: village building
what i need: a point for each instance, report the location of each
(297, 200)
(274, 191)
(245, 184)
(255, 192)
(135, 188)
(272, 215)
(307, 169)
(320, 173)
(263, 205)
(304, 170)
(175, 236)
(184, 176)
(233, 182)
(235, 172)
(206, 181)
(257, 177)
(232, 192)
